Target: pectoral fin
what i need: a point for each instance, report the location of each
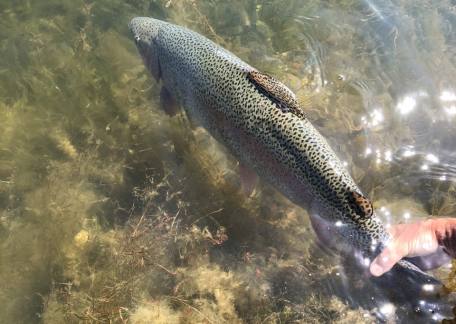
(152, 63)
(248, 179)
(277, 92)
(168, 103)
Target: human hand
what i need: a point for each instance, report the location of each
(416, 239)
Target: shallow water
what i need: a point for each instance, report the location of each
(110, 211)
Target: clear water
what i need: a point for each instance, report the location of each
(110, 211)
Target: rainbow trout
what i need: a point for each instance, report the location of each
(262, 124)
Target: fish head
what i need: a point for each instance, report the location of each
(145, 32)
(145, 29)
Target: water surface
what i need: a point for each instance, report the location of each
(110, 211)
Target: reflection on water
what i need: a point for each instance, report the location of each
(112, 211)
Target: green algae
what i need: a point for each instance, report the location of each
(113, 212)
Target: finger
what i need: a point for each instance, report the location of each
(397, 229)
(387, 259)
(431, 261)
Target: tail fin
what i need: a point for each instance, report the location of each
(418, 297)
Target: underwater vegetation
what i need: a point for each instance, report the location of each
(112, 212)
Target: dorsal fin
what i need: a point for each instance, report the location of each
(276, 91)
(360, 204)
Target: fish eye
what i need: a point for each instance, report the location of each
(137, 38)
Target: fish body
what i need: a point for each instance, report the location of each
(259, 120)
(218, 90)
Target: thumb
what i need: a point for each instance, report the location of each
(388, 258)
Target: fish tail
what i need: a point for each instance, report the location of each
(422, 297)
